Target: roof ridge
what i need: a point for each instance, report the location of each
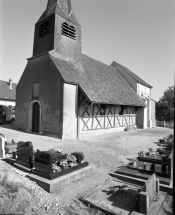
(7, 82)
(132, 74)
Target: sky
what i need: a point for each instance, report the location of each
(139, 34)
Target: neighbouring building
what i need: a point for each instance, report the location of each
(144, 90)
(65, 93)
(7, 93)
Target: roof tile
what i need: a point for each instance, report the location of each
(101, 83)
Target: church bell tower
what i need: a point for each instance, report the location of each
(58, 30)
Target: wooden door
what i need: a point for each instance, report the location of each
(35, 117)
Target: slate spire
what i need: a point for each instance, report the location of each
(64, 4)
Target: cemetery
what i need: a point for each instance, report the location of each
(48, 165)
(142, 167)
(140, 187)
(136, 188)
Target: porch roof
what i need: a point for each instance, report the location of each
(100, 82)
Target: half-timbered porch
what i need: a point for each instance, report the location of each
(93, 116)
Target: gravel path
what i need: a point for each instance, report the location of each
(106, 152)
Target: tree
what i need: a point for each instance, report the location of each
(165, 106)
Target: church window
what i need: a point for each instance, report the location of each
(35, 90)
(44, 29)
(68, 31)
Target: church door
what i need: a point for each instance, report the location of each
(35, 117)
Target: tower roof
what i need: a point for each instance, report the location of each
(62, 8)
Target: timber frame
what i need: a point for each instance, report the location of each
(93, 116)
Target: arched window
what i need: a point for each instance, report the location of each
(44, 29)
(68, 31)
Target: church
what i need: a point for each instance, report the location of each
(67, 94)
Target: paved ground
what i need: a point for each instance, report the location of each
(106, 152)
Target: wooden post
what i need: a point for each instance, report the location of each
(164, 124)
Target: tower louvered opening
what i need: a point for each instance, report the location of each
(44, 29)
(68, 31)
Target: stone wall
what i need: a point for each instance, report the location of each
(68, 48)
(45, 43)
(41, 69)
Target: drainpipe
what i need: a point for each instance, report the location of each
(78, 120)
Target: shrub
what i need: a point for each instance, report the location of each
(79, 156)
(14, 197)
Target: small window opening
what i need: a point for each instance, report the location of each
(44, 29)
(68, 31)
(35, 90)
(102, 109)
(121, 112)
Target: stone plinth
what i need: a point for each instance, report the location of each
(52, 185)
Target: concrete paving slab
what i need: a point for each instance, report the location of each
(52, 185)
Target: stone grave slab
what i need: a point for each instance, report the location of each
(109, 200)
(136, 173)
(150, 193)
(52, 185)
(146, 196)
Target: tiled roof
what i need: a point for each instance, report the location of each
(6, 92)
(123, 69)
(100, 82)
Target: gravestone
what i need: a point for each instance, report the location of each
(25, 154)
(44, 162)
(146, 197)
(2, 147)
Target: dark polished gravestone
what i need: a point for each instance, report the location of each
(25, 154)
(44, 162)
(139, 174)
(151, 167)
(162, 163)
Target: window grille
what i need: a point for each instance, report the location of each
(68, 31)
(44, 29)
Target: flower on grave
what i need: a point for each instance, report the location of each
(144, 165)
(141, 154)
(56, 168)
(63, 162)
(161, 151)
(151, 150)
(161, 140)
(71, 158)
